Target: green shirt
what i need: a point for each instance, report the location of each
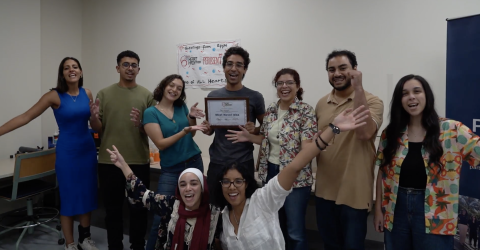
(117, 129)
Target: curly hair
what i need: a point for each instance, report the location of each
(160, 89)
(237, 50)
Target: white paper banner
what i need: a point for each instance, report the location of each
(200, 64)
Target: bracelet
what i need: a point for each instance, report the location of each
(326, 144)
(192, 117)
(318, 145)
(185, 131)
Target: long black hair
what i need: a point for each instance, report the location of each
(399, 119)
(62, 86)
(217, 191)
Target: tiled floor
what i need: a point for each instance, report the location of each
(43, 239)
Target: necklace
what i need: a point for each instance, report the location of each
(235, 217)
(76, 97)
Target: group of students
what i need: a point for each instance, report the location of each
(226, 209)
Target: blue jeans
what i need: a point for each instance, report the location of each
(167, 184)
(340, 226)
(292, 214)
(409, 225)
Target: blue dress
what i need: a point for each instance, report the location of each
(76, 156)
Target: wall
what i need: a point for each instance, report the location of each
(61, 25)
(34, 38)
(20, 71)
(390, 38)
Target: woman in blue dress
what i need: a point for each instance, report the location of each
(76, 156)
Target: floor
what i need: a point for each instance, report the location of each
(42, 239)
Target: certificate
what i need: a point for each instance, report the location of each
(227, 112)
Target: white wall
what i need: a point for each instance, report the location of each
(61, 33)
(19, 71)
(20, 76)
(390, 38)
(34, 38)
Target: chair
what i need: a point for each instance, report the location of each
(27, 182)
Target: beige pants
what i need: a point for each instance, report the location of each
(463, 232)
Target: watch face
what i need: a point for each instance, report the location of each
(335, 129)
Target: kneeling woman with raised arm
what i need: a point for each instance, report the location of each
(250, 217)
(188, 221)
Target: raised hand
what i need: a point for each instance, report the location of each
(349, 120)
(94, 110)
(356, 78)
(196, 112)
(238, 136)
(135, 117)
(115, 157)
(250, 126)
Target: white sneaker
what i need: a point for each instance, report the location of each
(88, 244)
(71, 246)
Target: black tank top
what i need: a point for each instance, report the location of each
(413, 173)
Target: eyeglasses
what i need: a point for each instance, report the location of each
(230, 65)
(226, 183)
(126, 65)
(288, 83)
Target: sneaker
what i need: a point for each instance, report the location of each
(71, 246)
(87, 244)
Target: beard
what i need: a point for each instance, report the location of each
(344, 87)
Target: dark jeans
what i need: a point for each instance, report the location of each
(409, 225)
(340, 226)
(473, 236)
(213, 171)
(112, 184)
(292, 214)
(167, 184)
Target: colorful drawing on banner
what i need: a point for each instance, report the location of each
(200, 64)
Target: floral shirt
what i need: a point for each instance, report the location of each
(442, 187)
(299, 124)
(166, 206)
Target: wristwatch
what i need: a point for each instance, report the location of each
(335, 129)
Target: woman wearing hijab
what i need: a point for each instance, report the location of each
(188, 221)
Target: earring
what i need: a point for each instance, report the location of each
(81, 76)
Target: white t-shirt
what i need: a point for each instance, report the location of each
(259, 227)
(273, 137)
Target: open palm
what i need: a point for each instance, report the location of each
(351, 119)
(238, 136)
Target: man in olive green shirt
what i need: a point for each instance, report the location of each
(115, 104)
